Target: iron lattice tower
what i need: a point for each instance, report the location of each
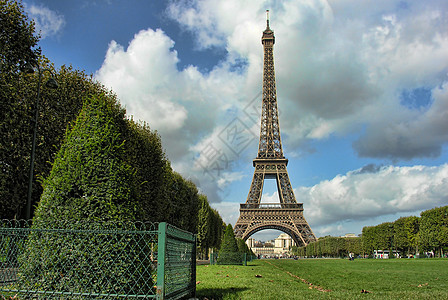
(287, 215)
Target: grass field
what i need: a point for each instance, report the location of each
(326, 279)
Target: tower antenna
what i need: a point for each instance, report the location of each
(267, 17)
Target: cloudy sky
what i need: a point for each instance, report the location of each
(362, 92)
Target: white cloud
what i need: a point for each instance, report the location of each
(48, 22)
(229, 211)
(213, 22)
(360, 195)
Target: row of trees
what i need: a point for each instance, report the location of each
(401, 235)
(330, 247)
(210, 228)
(409, 235)
(101, 179)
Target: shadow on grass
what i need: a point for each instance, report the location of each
(218, 294)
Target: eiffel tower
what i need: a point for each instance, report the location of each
(286, 216)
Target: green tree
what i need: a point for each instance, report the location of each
(18, 42)
(405, 234)
(145, 154)
(228, 253)
(384, 236)
(412, 230)
(18, 93)
(353, 245)
(243, 248)
(434, 229)
(205, 229)
(183, 202)
(400, 238)
(368, 239)
(217, 231)
(333, 246)
(17, 46)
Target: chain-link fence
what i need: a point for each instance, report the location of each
(81, 260)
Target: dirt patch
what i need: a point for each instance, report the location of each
(311, 285)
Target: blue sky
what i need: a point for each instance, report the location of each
(362, 89)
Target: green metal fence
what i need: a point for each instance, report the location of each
(80, 260)
(177, 262)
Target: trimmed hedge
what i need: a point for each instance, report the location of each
(95, 182)
(91, 178)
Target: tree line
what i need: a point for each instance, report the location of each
(330, 247)
(408, 235)
(92, 162)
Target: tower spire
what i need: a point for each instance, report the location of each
(267, 18)
(270, 145)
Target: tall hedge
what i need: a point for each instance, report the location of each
(144, 152)
(57, 108)
(91, 187)
(218, 226)
(91, 179)
(182, 202)
(243, 248)
(209, 228)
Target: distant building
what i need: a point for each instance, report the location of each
(284, 242)
(279, 246)
(250, 242)
(349, 235)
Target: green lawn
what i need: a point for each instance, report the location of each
(326, 279)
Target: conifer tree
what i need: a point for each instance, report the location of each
(243, 248)
(228, 253)
(204, 226)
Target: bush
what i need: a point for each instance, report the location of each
(229, 254)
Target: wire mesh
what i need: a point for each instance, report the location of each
(92, 260)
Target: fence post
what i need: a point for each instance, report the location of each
(161, 257)
(193, 266)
